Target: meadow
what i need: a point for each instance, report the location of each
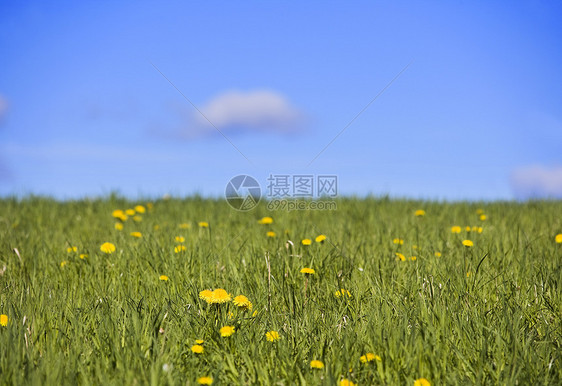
(379, 291)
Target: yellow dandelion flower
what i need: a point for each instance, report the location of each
(413, 258)
(421, 382)
(83, 256)
(179, 239)
(72, 249)
(226, 331)
(137, 218)
(197, 349)
(468, 274)
(123, 218)
(346, 382)
(480, 230)
(479, 211)
(119, 226)
(272, 336)
(306, 242)
(400, 257)
(398, 241)
(179, 248)
(467, 228)
(270, 234)
(107, 248)
(242, 302)
(419, 213)
(203, 224)
(63, 263)
(138, 235)
(482, 217)
(140, 209)
(467, 243)
(184, 226)
(4, 320)
(369, 357)
(475, 229)
(265, 221)
(206, 295)
(163, 278)
(342, 293)
(558, 238)
(316, 364)
(437, 254)
(205, 380)
(118, 213)
(455, 229)
(199, 341)
(220, 296)
(130, 212)
(320, 238)
(156, 227)
(308, 271)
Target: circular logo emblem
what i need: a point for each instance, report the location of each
(243, 192)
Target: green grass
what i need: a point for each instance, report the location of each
(108, 319)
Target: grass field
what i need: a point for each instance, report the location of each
(430, 308)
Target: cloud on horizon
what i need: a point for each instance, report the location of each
(537, 182)
(3, 107)
(262, 111)
(5, 173)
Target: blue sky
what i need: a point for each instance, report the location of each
(476, 115)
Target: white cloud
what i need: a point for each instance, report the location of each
(3, 106)
(537, 182)
(4, 170)
(252, 111)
